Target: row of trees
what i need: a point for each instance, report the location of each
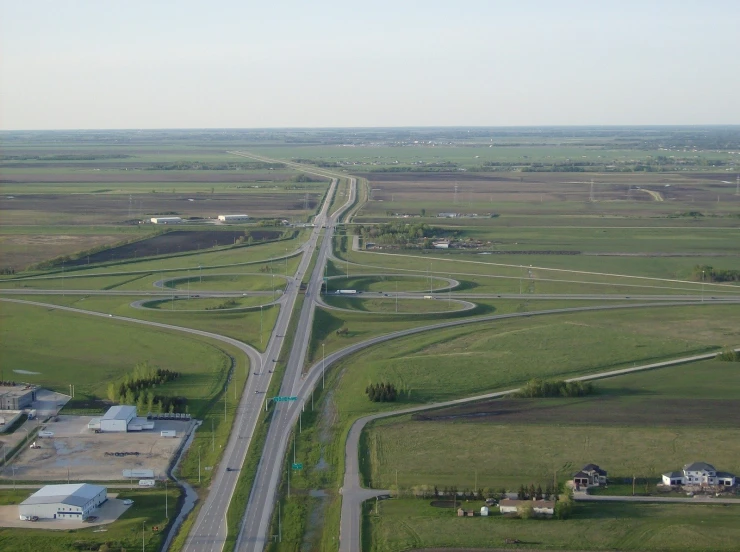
(381, 392)
(401, 233)
(536, 493)
(557, 388)
(137, 388)
(729, 356)
(706, 273)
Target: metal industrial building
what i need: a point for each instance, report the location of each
(233, 218)
(166, 220)
(117, 418)
(16, 397)
(74, 502)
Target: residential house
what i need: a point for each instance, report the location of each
(590, 476)
(699, 474)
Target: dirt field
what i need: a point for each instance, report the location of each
(76, 450)
(109, 512)
(105, 208)
(114, 173)
(21, 251)
(477, 192)
(594, 410)
(173, 242)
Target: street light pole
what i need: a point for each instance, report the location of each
(702, 286)
(260, 324)
(323, 365)
(166, 505)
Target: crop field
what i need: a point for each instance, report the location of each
(626, 195)
(409, 524)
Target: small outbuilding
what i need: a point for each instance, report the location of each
(117, 418)
(233, 218)
(73, 502)
(540, 507)
(166, 220)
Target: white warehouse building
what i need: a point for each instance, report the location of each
(74, 502)
(233, 218)
(166, 220)
(117, 418)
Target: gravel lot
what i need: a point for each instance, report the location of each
(81, 453)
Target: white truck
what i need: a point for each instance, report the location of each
(347, 291)
(168, 433)
(146, 482)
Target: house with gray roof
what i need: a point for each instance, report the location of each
(591, 475)
(699, 474)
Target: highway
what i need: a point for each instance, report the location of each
(256, 521)
(210, 529)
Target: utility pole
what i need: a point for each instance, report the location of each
(166, 505)
(323, 364)
(213, 438)
(198, 463)
(288, 483)
(702, 285)
(260, 324)
(142, 537)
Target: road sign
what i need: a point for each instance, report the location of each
(297, 466)
(284, 399)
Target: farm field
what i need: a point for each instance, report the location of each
(410, 524)
(639, 425)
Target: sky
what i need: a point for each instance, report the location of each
(87, 64)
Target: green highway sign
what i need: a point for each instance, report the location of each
(297, 466)
(284, 399)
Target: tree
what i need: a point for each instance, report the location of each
(522, 494)
(423, 212)
(525, 511)
(538, 492)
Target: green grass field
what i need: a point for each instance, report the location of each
(409, 524)
(244, 325)
(390, 305)
(64, 348)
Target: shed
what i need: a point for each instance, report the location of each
(484, 511)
